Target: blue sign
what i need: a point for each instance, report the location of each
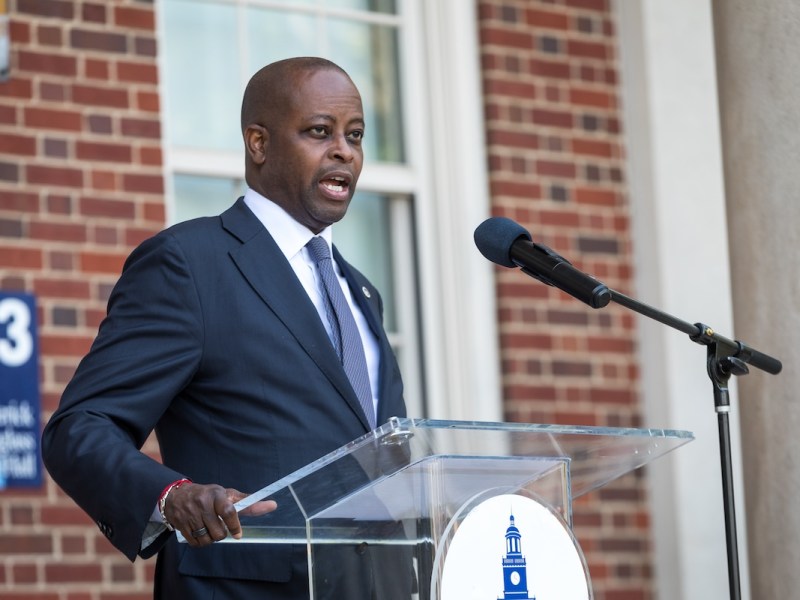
(20, 465)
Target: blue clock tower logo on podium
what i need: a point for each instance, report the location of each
(515, 569)
(474, 547)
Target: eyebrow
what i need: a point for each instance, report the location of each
(327, 117)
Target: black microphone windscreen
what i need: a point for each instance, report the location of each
(495, 236)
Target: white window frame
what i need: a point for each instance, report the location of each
(457, 286)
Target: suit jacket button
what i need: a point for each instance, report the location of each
(361, 548)
(105, 529)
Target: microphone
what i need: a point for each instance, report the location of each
(507, 243)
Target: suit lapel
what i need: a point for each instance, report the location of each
(363, 293)
(267, 271)
(368, 300)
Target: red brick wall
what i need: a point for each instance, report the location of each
(80, 184)
(556, 157)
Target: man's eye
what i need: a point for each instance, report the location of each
(319, 130)
(356, 135)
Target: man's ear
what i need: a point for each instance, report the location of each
(256, 138)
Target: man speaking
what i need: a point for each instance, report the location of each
(248, 344)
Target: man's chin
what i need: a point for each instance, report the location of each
(320, 219)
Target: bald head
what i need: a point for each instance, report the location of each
(270, 90)
(303, 124)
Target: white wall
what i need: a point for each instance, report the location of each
(681, 259)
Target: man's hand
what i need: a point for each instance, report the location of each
(205, 514)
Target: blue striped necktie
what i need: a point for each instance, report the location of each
(344, 331)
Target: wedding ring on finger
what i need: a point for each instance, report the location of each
(198, 533)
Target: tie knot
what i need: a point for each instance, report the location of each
(318, 248)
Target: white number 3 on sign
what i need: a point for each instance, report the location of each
(17, 345)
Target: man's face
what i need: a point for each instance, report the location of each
(313, 154)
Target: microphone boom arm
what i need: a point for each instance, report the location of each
(703, 334)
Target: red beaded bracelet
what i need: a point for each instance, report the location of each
(162, 500)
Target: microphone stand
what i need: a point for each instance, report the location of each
(724, 357)
(506, 243)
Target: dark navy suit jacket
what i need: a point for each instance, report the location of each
(211, 340)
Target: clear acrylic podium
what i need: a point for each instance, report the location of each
(384, 507)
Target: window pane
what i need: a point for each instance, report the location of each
(197, 196)
(382, 6)
(274, 35)
(202, 79)
(364, 237)
(369, 54)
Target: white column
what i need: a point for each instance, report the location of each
(681, 261)
(759, 82)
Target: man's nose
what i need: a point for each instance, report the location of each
(341, 148)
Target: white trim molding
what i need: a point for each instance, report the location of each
(458, 301)
(681, 259)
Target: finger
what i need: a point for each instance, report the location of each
(194, 535)
(230, 518)
(256, 509)
(199, 534)
(261, 507)
(218, 520)
(215, 527)
(235, 495)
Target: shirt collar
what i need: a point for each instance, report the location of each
(290, 236)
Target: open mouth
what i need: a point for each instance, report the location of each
(335, 184)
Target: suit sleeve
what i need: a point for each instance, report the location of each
(147, 349)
